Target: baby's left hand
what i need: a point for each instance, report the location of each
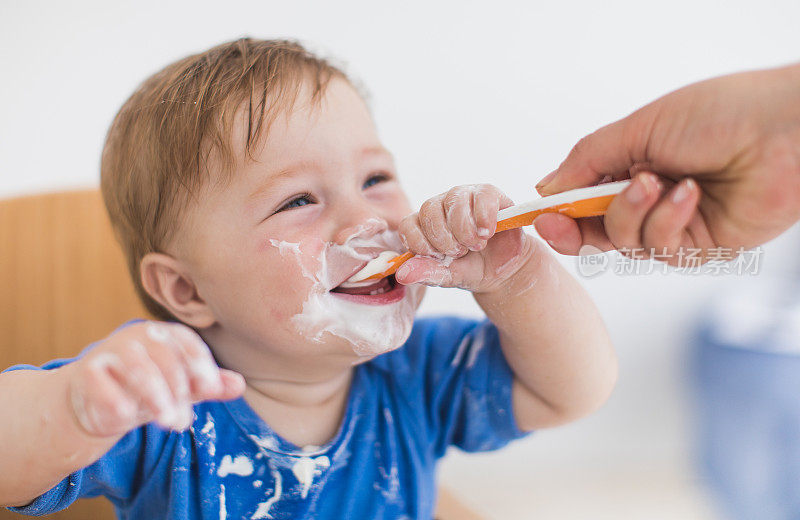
(453, 236)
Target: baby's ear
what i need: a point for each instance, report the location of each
(167, 281)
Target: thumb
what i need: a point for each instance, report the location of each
(610, 151)
(425, 270)
(464, 272)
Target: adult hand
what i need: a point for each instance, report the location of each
(715, 165)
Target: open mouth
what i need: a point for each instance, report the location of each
(372, 292)
(370, 287)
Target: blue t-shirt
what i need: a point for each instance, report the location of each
(448, 385)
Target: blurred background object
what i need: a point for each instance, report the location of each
(462, 92)
(65, 284)
(747, 368)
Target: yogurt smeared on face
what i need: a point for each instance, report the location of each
(375, 317)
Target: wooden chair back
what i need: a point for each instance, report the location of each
(64, 285)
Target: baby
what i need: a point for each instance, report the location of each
(247, 185)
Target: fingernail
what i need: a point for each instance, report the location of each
(657, 182)
(636, 192)
(546, 179)
(478, 247)
(403, 271)
(682, 192)
(418, 276)
(484, 233)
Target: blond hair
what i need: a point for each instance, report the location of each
(158, 147)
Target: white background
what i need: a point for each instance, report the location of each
(462, 92)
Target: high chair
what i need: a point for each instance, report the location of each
(64, 285)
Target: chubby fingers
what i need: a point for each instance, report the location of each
(186, 365)
(207, 380)
(463, 272)
(454, 223)
(101, 406)
(157, 370)
(414, 238)
(460, 218)
(433, 221)
(150, 377)
(182, 355)
(471, 213)
(119, 386)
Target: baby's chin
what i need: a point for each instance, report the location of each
(366, 330)
(357, 349)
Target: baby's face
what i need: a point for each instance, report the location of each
(268, 251)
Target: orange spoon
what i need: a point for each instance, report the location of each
(577, 203)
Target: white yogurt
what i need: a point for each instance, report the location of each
(370, 329)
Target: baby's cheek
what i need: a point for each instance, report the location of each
(281, 299)
(285, 284)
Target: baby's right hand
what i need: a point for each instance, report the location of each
(149, 371)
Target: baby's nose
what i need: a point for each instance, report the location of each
(365, 228)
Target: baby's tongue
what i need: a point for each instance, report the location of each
(339, 262)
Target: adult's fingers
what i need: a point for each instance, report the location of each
(664, 230)
(701, 237)
(626, 213)
(567, 236)
(610, 151)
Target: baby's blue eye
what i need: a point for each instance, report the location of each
(296, 203)
(375, 179)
